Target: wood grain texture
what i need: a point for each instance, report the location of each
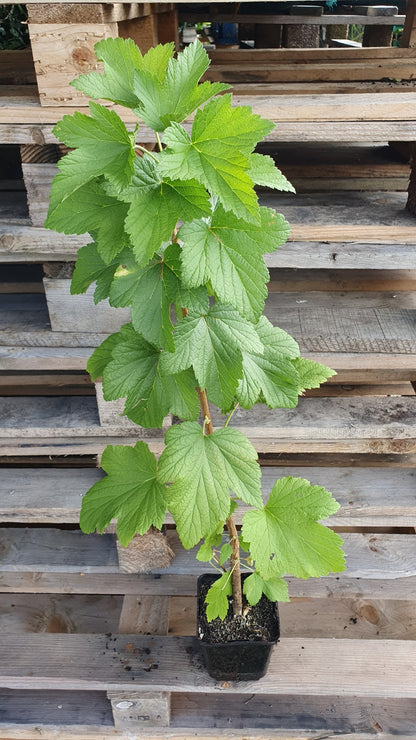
(78, 312)
(25, 125)
(295, 666)
(340, 618)
(53, 496)
(63, 51)
(20, 243)
(382, 561)
(283, 109)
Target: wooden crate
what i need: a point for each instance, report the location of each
(63, 36)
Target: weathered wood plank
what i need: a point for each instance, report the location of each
(52, 496)
(91, 732)
(58, 613)
(381, 668)
(306, 108)
(26, 243)
(16, 67)
(330, 71)
(39, 132)
(385, 558)
(340, 618)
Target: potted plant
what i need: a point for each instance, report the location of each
(179, 236)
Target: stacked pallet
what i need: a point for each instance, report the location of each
(95, 645)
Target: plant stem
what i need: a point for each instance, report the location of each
(230, 524)
(230, 415)
(159, 143)
(235, 567)
(145, 151)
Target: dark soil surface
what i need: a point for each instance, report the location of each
(258, 622)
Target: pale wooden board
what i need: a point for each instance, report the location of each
(348, 71)
(59, 416)
(40, 132)
(367, 668)
(58, 613)
(329, 418)
(367, 424)
(338, 618)
(32, 244)
(50, 496)
(382, 558)
(66, 613)
(306, 108)
(89, 732)
(78, 312)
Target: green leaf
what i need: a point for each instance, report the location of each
(253, 588)
(202, 469)
(276, 589)
(104, 148)
(285, 536)
(204, 554)
(174, 394)
(228, 252)
(90, 268)
(268, 377)
(216, 598)
(156, 205)
(122, 60)
(102, 355)
(131, 369)
(90, 209)
(311, 374)
(178, 94)
(217, 153)
(264, 172)
(133, 372)
(225, 553)
(149, 291)
(212, 344)
(277, 339)
(130, 491)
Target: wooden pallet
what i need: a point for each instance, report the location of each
(140, 684)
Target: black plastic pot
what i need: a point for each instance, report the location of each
(237, 660)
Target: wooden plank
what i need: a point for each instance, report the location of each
(59, 416)
(82, 442)
(379, 560)
(329, 418)
(306, 108)
(332, 715)
(68, 312)
(61, 52)
(52, 496)
(314, 420)
(91, 732)
(348, 71)
(322, 20)
(20, 243)
(238, 56)
(287, 280)
(409, 31)
(38, 178)
(370, 668)
(16, 67)
(340, 618)
(88, 12)
(16, 131)
(135, 711)
(59, 613)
